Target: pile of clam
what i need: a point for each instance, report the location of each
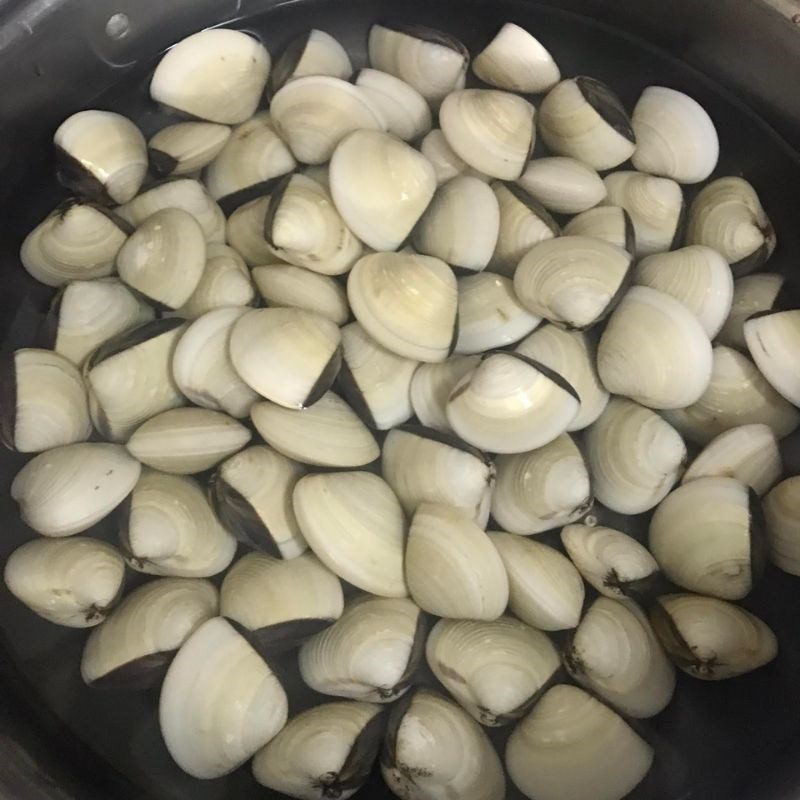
(308, 351)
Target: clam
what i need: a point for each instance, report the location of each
(541, 489)
(738, 394)
(655, 351)
(634, 455)
(489, 314)
(43, 402)
(611, 223)
(252, 495)
(712, 639)
(655, 206)
(288, 355)
(164, 257)
(511, 404)
(516, 61)
(313, 114)
(582, 118)
(381, 186)
(615, 653)
(675, 137)
(202, 367)
(68, 489)
(612, 562)
(446, 164)
(186, 194)
(72, 582)
(384, 290)
(278, 603)
(545, 590)
(375, 381)
(708, 537)
(328, 434)
(782, 513)
(86, 314)
(405, 110)
(572, 354)
(751, 295)
(245, 232)
(697, 276)
(129, 378)
(431, 386)
(496, 670)
(303, 227)
(184, 441)
(461, 225)
(434, 749)
(572, 281)
(287, 286)
(452, 568)
(78, 241)
(101, 155)
(563, 185)
(323, 752)
(220, 702)
(370, 653)
(434, 63)
(748, 453)
(225, 282)
(727, 216)
(355, 525)
(168, 528)
(252, 157)
(572, 746)
(133, 647)
(523, 223)
(424, 466)
(490, 130)
(312, 53)
(186, 147)
(773, 339)
(217, 75)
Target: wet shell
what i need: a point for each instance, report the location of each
(186, 147)
(563, 185)
(445, 162)
(313, 53)
(287, 286)
(245, 232)
(431, 387)
(610, 223)
(405, 110)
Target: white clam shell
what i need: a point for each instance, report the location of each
(545, 590)
(782, 513)
(68, 489)
(381, 186)
(509, 404)
(384, 290)
(675, 137)
(697, 276)
(515, 60)
(355, 525)
(245, 232)
(287, 286)
(70, 582)
(635, 457)
(446, 164)
(327, 434)
(494, 669)
(490, 130)
(452, 568)
(572, 746)
(152, 621)
(655, 206)
(655, 351)
(431, 387)
(220, 702)
(573, 355)
(405, 110)
(738, 394)
(217, 74)
(369, 653)
(171, 529)
(489, 314)
(748, 453)
(313, 53)
(187, 146)
(563, 185)
(313, 114)
(773, 341)
(610, 223)
(541, 489)
(49, 403)
(751, 294)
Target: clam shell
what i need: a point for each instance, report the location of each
(782, 513)
(751, 295)
(773, 339)
(313, 53)
(287, 286)
(431, 386)
(186, 147)
(610, 223)
(405, 110)
(563, 185)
